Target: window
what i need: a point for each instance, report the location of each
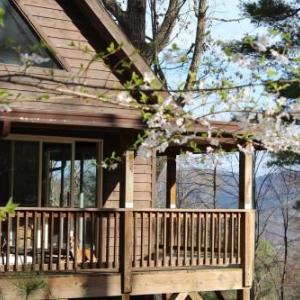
(50, 174)
(85, 175)
(16, 38)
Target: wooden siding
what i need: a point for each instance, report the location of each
(57, 28)
(143, 196)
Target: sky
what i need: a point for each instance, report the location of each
(228, 10)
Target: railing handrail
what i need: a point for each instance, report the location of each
(127, 240)
(168, 210)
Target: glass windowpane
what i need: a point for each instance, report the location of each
(85, 175)
(57, 174)
(25, 173)
(5, 147)
(17, 37)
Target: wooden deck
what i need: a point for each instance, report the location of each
(128, 243)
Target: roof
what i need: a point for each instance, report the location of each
(88, 24)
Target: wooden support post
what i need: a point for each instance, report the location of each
(195, 296)
(171, 182)
(6, 128)
(246, 179)
(126, 221)
(248, 232)
(127, 181)
(248, 222)
(125, 297)
(244, 294)
(126, 250)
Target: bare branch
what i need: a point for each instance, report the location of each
(226, 20)
(165, 29)
(199, 44)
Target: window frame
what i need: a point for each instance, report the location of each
(64, 140)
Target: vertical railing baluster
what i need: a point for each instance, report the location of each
(149, 239)
(42, 240)
(232, 238)
(171, 239)
(225, 238)
(16, 239)
(185, 237)
(83, 250)
(8, 242)
(212, 238)
(192, 238)
(115, 265)
(1, 244)
(239, 239)
(206, 239)
(59, 241)
(35, 241)
(199, 238)
(101, 240)
(108, 229)
(178, 237)
(157, 240)
(52, 220)
(142, 240)
(135, 239)
(92, 227)
(219, 237)
(76, 240)
(165, 239)
(68, 240)
(25, 239)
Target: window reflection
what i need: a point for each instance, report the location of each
(16, 37)
(5, 153)
(57, 174)
(85, 174)
(40, 173)
(25, 173)
(19, 172)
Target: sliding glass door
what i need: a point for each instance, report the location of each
(57, 174)
(50, 173)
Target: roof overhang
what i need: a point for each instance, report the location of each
(63, 119)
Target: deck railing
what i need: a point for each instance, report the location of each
(50, 239)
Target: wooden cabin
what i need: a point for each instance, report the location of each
(89, 232)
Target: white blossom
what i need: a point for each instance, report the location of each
(124, 97)
(262, 43)
(215, 142)
(209, 150)
(148, 77)
(5, 108)
(279, 57)
(281, 101)
(249, 150)
(30, 59)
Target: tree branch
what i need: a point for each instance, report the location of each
(165, 29)
(114, 8)
(199, 44)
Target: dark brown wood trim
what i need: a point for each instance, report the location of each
(115, 32)
(63, 118)
(6, 128)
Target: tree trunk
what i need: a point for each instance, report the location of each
(136, 22)
(199, 45)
